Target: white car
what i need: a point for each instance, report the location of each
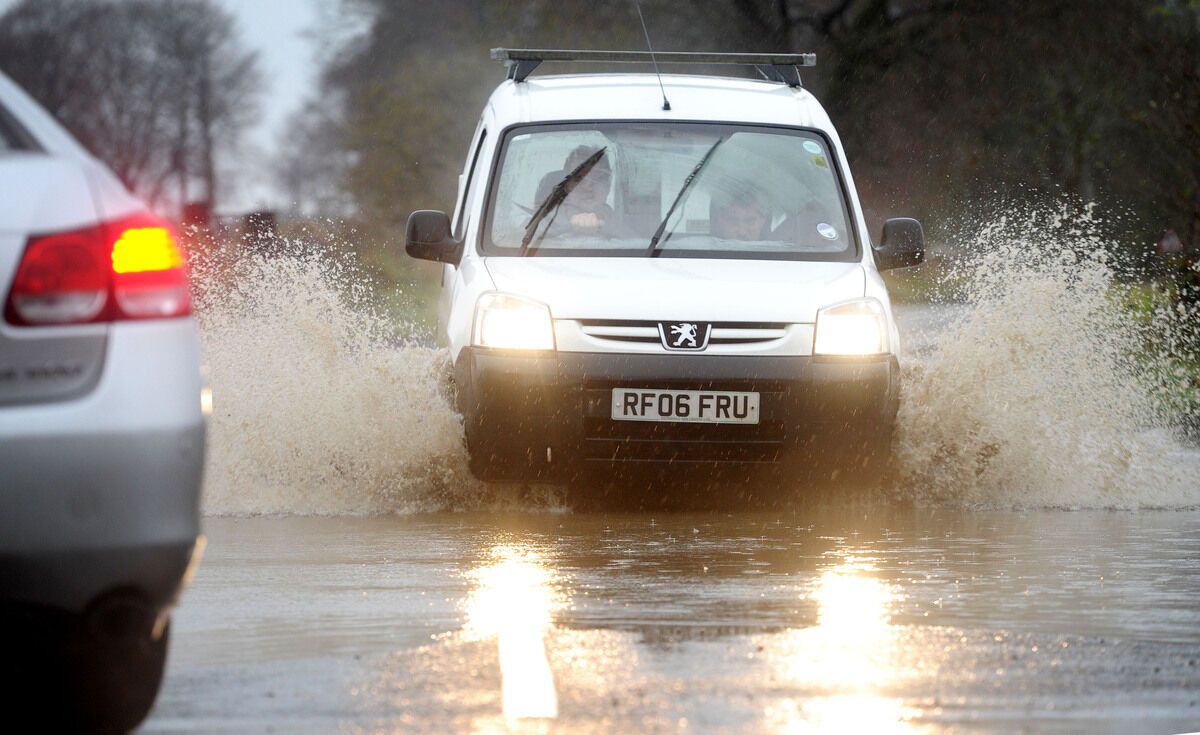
(101, 432)
(669, 272)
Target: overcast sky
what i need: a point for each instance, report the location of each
(277, 29)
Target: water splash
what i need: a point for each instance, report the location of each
(1040, 392)
(1043, 391)
(319, 406)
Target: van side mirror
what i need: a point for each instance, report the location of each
(903, 244)
(428, 237)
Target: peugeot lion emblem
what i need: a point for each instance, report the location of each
(684, 335)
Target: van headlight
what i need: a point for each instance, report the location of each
(504, 321)
(852, 328)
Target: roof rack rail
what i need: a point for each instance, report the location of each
(774, 67)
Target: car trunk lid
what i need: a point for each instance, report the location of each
(40, 194)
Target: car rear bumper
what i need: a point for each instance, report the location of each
(519, 406)
(83, 514)
(102, 493)
(71, 580)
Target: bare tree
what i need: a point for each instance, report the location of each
(313, 171)
(154, 88)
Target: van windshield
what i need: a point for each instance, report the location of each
(667, 190)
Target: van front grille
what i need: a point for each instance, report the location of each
(723, 333)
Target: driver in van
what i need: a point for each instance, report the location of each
(586, 207)
(739, 215)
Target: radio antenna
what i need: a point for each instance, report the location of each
(666, 105)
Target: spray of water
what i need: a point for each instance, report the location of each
(1044, 390)
(319, 407)
(1041, 391)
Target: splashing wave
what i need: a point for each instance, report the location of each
(1043, 390)
(318, 407)
(1040, 391)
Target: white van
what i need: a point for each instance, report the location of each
(675, 271)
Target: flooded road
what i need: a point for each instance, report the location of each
(842, 618)
(1033, 565)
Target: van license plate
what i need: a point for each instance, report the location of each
(684, 406)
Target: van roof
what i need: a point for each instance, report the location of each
(579, 97)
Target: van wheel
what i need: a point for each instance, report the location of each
(480, 460)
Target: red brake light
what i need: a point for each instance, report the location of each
(62, 279)
(130, 269)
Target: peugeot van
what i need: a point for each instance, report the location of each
(663, 271)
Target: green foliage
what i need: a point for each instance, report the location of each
(1153, 304)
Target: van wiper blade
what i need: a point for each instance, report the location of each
(555, 198)
(687, 183)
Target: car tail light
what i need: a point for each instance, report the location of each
(62, 279)
(149, 279)
(129, 269)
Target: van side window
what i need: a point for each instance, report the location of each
(460, 225)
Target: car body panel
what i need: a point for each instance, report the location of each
(101, 477)
(471, 280)
(41, 194)
(877, 289)
(41, 365)
(151, 380)
(102, 435)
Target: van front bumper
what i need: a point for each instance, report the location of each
(542, 414)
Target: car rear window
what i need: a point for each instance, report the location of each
(668, 190)
(12, 136)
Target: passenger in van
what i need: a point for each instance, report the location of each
(586, 208)
(739, 215)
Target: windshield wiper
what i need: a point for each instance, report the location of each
(556, 196)
(658, 233)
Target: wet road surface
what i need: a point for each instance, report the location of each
(840, 617)
(840, 614)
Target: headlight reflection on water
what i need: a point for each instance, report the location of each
(514, 601)
(844, 673)
(848, 660)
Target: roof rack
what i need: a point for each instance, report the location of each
(774, 67)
